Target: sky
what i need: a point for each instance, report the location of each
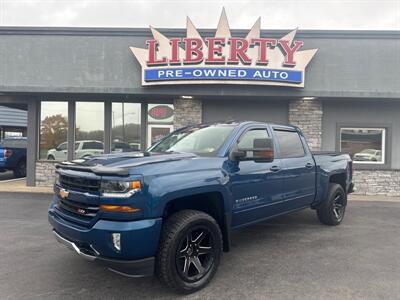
(283, 14)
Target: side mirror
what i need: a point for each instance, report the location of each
(262, 151)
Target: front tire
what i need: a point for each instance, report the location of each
(190, 251)
(332, 210)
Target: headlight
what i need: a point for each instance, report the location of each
(119, 188)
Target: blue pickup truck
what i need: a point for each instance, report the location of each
(171, 209)
(13, 155)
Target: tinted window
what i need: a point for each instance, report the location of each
(92, 145)
(247, 140)
(365, 145)
(53, 126)
(120, 146)
(63, 146)
(289, 144)
(89, 124)
(126, 124)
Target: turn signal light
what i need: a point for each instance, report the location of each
(118, 208)
(135, 185)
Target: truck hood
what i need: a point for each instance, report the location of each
(120, 164)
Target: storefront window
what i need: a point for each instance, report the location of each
(125, 133)
(53, 130)
(89, 129)
(365, 145)
(160, 122)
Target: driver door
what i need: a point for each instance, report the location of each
(61, 152)
(256, 186)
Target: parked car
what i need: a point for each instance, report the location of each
(368, 155)
(13, 155)
(120, 147)
(171, 210)
(135, 146)
(83, 149)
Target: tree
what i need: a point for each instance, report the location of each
(53, 131)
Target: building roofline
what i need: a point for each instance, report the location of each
(117, 31)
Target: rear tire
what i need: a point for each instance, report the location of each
(332, 210)
(190, 251)
(20, 169)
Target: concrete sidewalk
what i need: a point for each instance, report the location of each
(19, 186)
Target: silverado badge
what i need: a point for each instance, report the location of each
(63, 193)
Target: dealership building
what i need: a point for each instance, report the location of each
(118, 89)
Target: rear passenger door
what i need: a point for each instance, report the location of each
(298, 168)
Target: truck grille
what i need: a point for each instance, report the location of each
(78, 208)
(79, 184)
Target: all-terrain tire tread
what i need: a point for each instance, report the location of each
(170, 229)
(323, 212)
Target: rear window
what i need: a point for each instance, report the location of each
(13, 143)
(289, 144)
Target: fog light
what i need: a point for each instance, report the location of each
(116, 239)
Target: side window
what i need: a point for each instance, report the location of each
(247, 140)
(92, 145)
(76, 146)
(63, 146)
(97, 145)
(290, 144)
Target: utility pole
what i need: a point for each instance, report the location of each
(123, 122)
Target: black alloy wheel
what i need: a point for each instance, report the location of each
(190, 250)
(338, 206)
(195, 254)
(331, 211)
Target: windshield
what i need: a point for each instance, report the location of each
(199, 140)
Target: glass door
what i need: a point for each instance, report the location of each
(156, 132)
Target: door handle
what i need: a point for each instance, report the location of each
(309, 165)
(275, 168)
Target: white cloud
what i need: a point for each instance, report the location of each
(285, 14)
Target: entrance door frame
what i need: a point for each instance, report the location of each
(150, 126)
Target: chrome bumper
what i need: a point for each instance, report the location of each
(72, 246)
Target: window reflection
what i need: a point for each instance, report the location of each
(53, 130)
(125, 133)
(160, 119)
(365, 145)
(89, 129)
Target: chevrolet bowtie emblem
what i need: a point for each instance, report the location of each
(63, 193)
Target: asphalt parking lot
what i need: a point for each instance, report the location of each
(292, 257)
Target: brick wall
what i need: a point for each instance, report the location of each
(187, 112)
(45, 173)
(307, 115)
(376, 182)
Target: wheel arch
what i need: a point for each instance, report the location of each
(339, 178)
(210, 202)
